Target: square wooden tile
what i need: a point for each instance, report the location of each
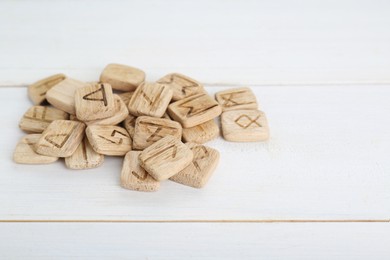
(38, 118)
(134, 177)
(62, 95)
(84, 157)
(109, 140)
(37, 91)
(201, 133)
(194, 110)
(236, 99)
(150, 99)
(165, 158)
(122, 77)
(94, 102)
(25, 151)
(202, 167)
(61, 138)
(149, 130)
(120, 114)
(182, 86)
(244, 126)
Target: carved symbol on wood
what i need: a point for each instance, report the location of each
(249, 121)
(35, 116)
(103, 99)
(229, 101)
(193, 110)
(152, 101)
(186, 89)
(174, 151)
(51, 139)
(113, 134)
(200, 152)
(140, 177)
(155, 136)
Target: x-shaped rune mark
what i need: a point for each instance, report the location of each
(251, 121)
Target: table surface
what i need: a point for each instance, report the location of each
(319, 188)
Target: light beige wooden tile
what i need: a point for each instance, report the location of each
(84, 157)
(37, 118)
(122, 77)
(129, 124)
(109, 140)
(236, 99)
(181, 85)
(194, 110)
(201, 133)
(149, 130)
(37, 91)
(120, 114)
(62, 95)
(134, 177)
(126, 96)
(94, 102)
(61, 138)
(25, 151)
(165, 158)
(202, 167)
(150, 99)
(244, 126)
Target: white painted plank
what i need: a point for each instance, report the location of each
(194, 241)
(327, 159)
(226, 42)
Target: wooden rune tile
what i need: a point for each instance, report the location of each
(181, 85)
(149, 130)
(25, 151)
(122, 77)
(94, 102)
(129, 124)
(109, 140)
(134, 177)
(84, 157)
(201, 133)
(38, 118)
(120, 114)
(62, 95)
(202, 167)
(165, 158)
(244, 126)
(150, 99)
(37, 91)
(236, 99)
(61, 138)
(194, 110)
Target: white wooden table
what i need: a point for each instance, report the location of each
(318, 189)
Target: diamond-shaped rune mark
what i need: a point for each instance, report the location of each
(245, 121)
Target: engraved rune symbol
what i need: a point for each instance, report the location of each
(155, 136)
(103, 99)
(245, 121)
(42, 117)
(53, 139)
(187, 87)
(200, 152)
(174, 151)
(195, 108)
(152, 101)
(229, 101)
(114, 134)
(140, 177)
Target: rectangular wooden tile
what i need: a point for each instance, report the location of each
(181, 85)
(84, 157)
(244, 126)
(165, 158)
(134, 177)
(194, 110)
(150, 99)
(61, 138)
(201, 133)
(25, 151)
(37, 118)
(202, 167)
(149, 130)
(37, 91)
(122, 77)
(236, 99)
(109, 140)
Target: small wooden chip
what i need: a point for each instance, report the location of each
(149, 130)
(244, 126)
(84, 157)
(61, 138)
(62, 95)
(129, 124)
(37, 91)
(120, 114)
(94, 102)
(38, 118)
(109, 140)
(181, 85)
(165, 158)
(122, 77)
(194, 110)
(201, 133)
(150, 99)
(236, 99)
(25, 151)
(200, 170)
(134, 177)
